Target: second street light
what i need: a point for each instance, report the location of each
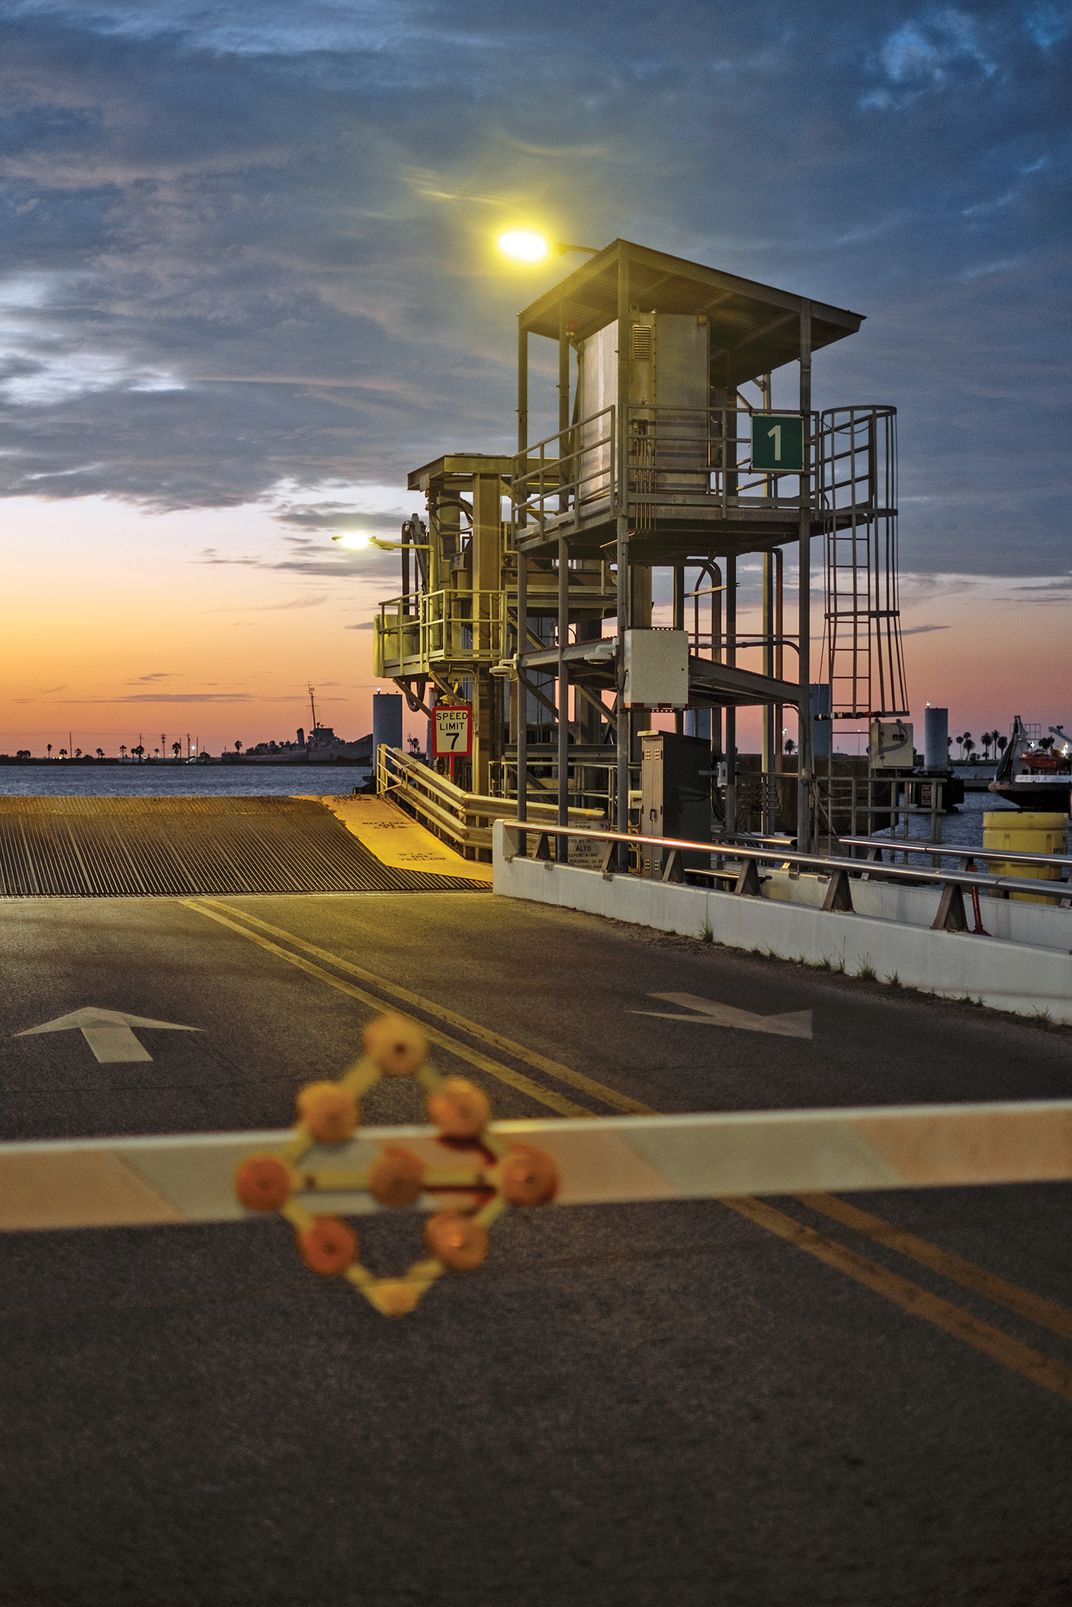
(360, 541)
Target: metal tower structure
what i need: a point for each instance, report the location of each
(669, 457)
(568, 592)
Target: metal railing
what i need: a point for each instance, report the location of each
(700, 456)
(462, 818)
(971, 858)
(570, 470)
(841, 806)
(847, 805)
(445, 626)
(737, 866)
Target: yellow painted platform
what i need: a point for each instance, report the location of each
(398, 840)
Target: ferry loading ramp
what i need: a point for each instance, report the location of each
(138, 847)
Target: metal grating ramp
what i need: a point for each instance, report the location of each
(131, 847)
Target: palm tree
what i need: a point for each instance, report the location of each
(238, 745)
(790, 745)
(100, 753)
(1003, 743)
(960, 744)
(138, 752)
(122, 750)
(176, 750)
(48, 745)
(63, 753)
(969, 745)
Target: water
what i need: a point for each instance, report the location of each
(66, 780)
(964, 828)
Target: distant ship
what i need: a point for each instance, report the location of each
(322, 746)
(1033, 776)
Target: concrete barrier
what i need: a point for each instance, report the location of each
(1026, 978)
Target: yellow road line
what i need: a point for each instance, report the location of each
(495, 1040)
(1036, 1308)
(516, 1079)
(1018, 1358)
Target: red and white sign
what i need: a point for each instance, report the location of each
(453, 730)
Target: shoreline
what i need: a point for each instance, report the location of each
(182, 764)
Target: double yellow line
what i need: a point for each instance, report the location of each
(347, 977)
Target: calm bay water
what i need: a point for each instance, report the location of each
(964, 829)
(66, 780)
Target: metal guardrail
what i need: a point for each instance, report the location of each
(464, 818)
(744, 877)
(968, 855)
(443, 626)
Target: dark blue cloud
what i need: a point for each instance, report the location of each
(245, 244)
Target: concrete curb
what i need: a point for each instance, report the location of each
(1018, 977)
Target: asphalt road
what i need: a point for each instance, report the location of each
(631, 1406)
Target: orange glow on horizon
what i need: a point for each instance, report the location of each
(124, 624)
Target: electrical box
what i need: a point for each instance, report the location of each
(656, 669)
(675, 793)
(668, 357)
(889, 745)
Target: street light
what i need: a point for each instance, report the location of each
(532, 245)
(360, 540)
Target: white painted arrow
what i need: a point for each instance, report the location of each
(107, 1032)
(792, 1024)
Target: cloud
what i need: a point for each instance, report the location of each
(267, 608)
(301, 555)
(1045, 593)
(1049, 25)
(244, 246)
(921, 630)
(939, 48)
(168, 697)
(153, 675)
(340, 516)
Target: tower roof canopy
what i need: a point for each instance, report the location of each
(755, 328)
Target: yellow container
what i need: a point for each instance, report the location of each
(1025, 833)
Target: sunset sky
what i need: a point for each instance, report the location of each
(246, 283)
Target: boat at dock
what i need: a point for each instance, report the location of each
(1036, 772)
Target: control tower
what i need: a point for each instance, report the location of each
(653, 487)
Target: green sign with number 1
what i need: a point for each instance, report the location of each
(778, 441)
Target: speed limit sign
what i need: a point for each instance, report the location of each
(453, 730)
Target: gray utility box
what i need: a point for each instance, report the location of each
(890, 745)
(668, 357)
(656, 664)
(675, 794)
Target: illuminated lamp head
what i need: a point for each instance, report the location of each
(524, 245)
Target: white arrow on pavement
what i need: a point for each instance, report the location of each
(793, 1024)
(107, 1032)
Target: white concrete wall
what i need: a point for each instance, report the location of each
(1044, 926)
(1018, 976)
